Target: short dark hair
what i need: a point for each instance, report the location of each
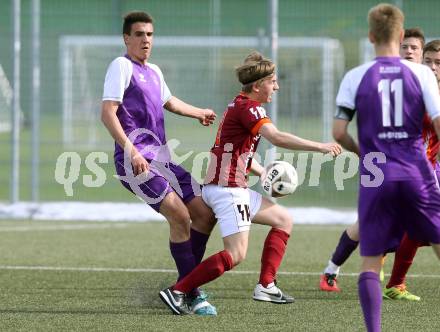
(134, 17)
(415, 33)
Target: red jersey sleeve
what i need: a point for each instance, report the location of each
(258, 125)
(432, 143)
(253, 116)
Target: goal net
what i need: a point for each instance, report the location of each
(200, 70)
(5, 102)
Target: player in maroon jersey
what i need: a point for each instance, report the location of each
(227, 193)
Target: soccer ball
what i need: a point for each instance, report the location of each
(280, 180)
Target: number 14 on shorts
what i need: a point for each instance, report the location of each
(243, 214)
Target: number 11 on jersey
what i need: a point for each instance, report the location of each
(385, 88)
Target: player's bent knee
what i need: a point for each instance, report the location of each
(202, 217)
(238, 254)
(238, 257)
(180, 218)
(284, 221)
(287, 224)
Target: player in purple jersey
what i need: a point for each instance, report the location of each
(411, 47)
(398, 191)
(135, 94)
(411, 50)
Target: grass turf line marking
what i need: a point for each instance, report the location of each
(58, 228)
(115, 269)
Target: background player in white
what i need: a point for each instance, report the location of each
(226, 192)
(398, 191)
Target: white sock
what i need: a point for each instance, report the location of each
(332, 268)
(270, 285)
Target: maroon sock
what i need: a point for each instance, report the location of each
(208, 270)
(273, 252)
(402, 261)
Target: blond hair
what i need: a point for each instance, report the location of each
(385, 22)
(254, 68)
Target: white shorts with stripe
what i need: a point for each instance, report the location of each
(234, 208)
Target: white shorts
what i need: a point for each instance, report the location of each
(234, 208)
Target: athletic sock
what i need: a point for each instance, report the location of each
(402, 261)
(370, 295)
(344, 249)
(183, 257)
(273, 252)
(208, 270)
(332, 268)
(198, 244)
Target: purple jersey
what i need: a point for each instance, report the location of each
(390, 97)
(142, 92)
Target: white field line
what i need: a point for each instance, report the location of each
(35, 228)
(56, 227)
(115, 269)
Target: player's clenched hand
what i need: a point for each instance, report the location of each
(140, 165)
(333, 148)
(207, 117)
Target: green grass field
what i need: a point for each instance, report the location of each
(57, 276)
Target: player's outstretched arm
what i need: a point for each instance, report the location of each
(341, 135)
(111, 122)
(292, 142)
(205, 116)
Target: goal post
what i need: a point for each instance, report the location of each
(5, 102)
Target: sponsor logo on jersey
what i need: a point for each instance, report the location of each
(142, 78)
